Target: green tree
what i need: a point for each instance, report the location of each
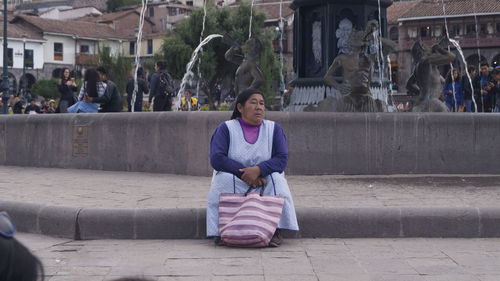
(46, 88)
(112, 5)
(178, 47)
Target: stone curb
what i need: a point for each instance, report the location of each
(94, 223)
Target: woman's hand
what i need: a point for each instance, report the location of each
(251, 175)
(260, 182)
(87, 98)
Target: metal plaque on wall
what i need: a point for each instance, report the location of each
(80, 141)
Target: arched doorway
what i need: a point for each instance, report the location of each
(27, 80)
(394, 33)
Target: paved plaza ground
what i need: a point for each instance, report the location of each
(105, 189)
(414, 259)
(401, 259)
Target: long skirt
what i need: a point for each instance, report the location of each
(227, 183)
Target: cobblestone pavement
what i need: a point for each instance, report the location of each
(298, 259)
(104, 189)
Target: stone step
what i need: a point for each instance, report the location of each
(189, 223)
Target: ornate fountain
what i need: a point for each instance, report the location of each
(325, 30)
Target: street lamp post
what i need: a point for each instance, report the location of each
(5, 76)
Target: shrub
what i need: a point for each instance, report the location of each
(46, 88)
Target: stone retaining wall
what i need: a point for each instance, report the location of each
(319, 143)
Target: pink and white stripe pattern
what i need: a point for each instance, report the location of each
(249, 221)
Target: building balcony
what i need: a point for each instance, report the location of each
(86, 59)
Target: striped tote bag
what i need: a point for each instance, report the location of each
(249, 219)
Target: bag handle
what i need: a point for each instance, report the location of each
(250, 187)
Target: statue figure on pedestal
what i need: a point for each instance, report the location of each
(425, 82)
(248, 75)
(356, 64)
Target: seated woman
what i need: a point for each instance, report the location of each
(248, 150)
(92, 88)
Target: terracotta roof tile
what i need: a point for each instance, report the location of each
(18, 31)
(113, 16)
(98, 4)
(434, 8)
(397, 9)
(110, 17)
(44, 4)
(70, 27)
(129, 32)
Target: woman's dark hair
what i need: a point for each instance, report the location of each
(140, 72)
(90, 82)
(162, 65)
(242, 99)
(64, 79)
(17, 262)
(102, 70)
(449, 79)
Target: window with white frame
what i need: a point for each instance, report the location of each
(58, 51)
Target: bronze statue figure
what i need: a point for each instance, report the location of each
(247, 57)
(425, 82)
(356, 66)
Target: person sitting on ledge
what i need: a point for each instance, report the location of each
(249, 151)
(188, 102)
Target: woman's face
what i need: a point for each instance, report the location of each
(455, 74)
(253, 111)
(66, 73)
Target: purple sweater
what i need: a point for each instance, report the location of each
(219, 147)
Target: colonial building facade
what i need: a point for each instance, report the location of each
(475, 24)
(42, 47)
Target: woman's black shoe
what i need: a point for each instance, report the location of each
(276, 240)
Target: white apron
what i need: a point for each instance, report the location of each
(249, 155)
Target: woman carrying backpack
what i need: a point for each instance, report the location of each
(161, 90)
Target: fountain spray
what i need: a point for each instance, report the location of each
(478, 55)
(282, 78)
(451, 63)
(380, 55)
(189, 74)
(461, 53)
(251, 17)
(137, 53)
(201, 40)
